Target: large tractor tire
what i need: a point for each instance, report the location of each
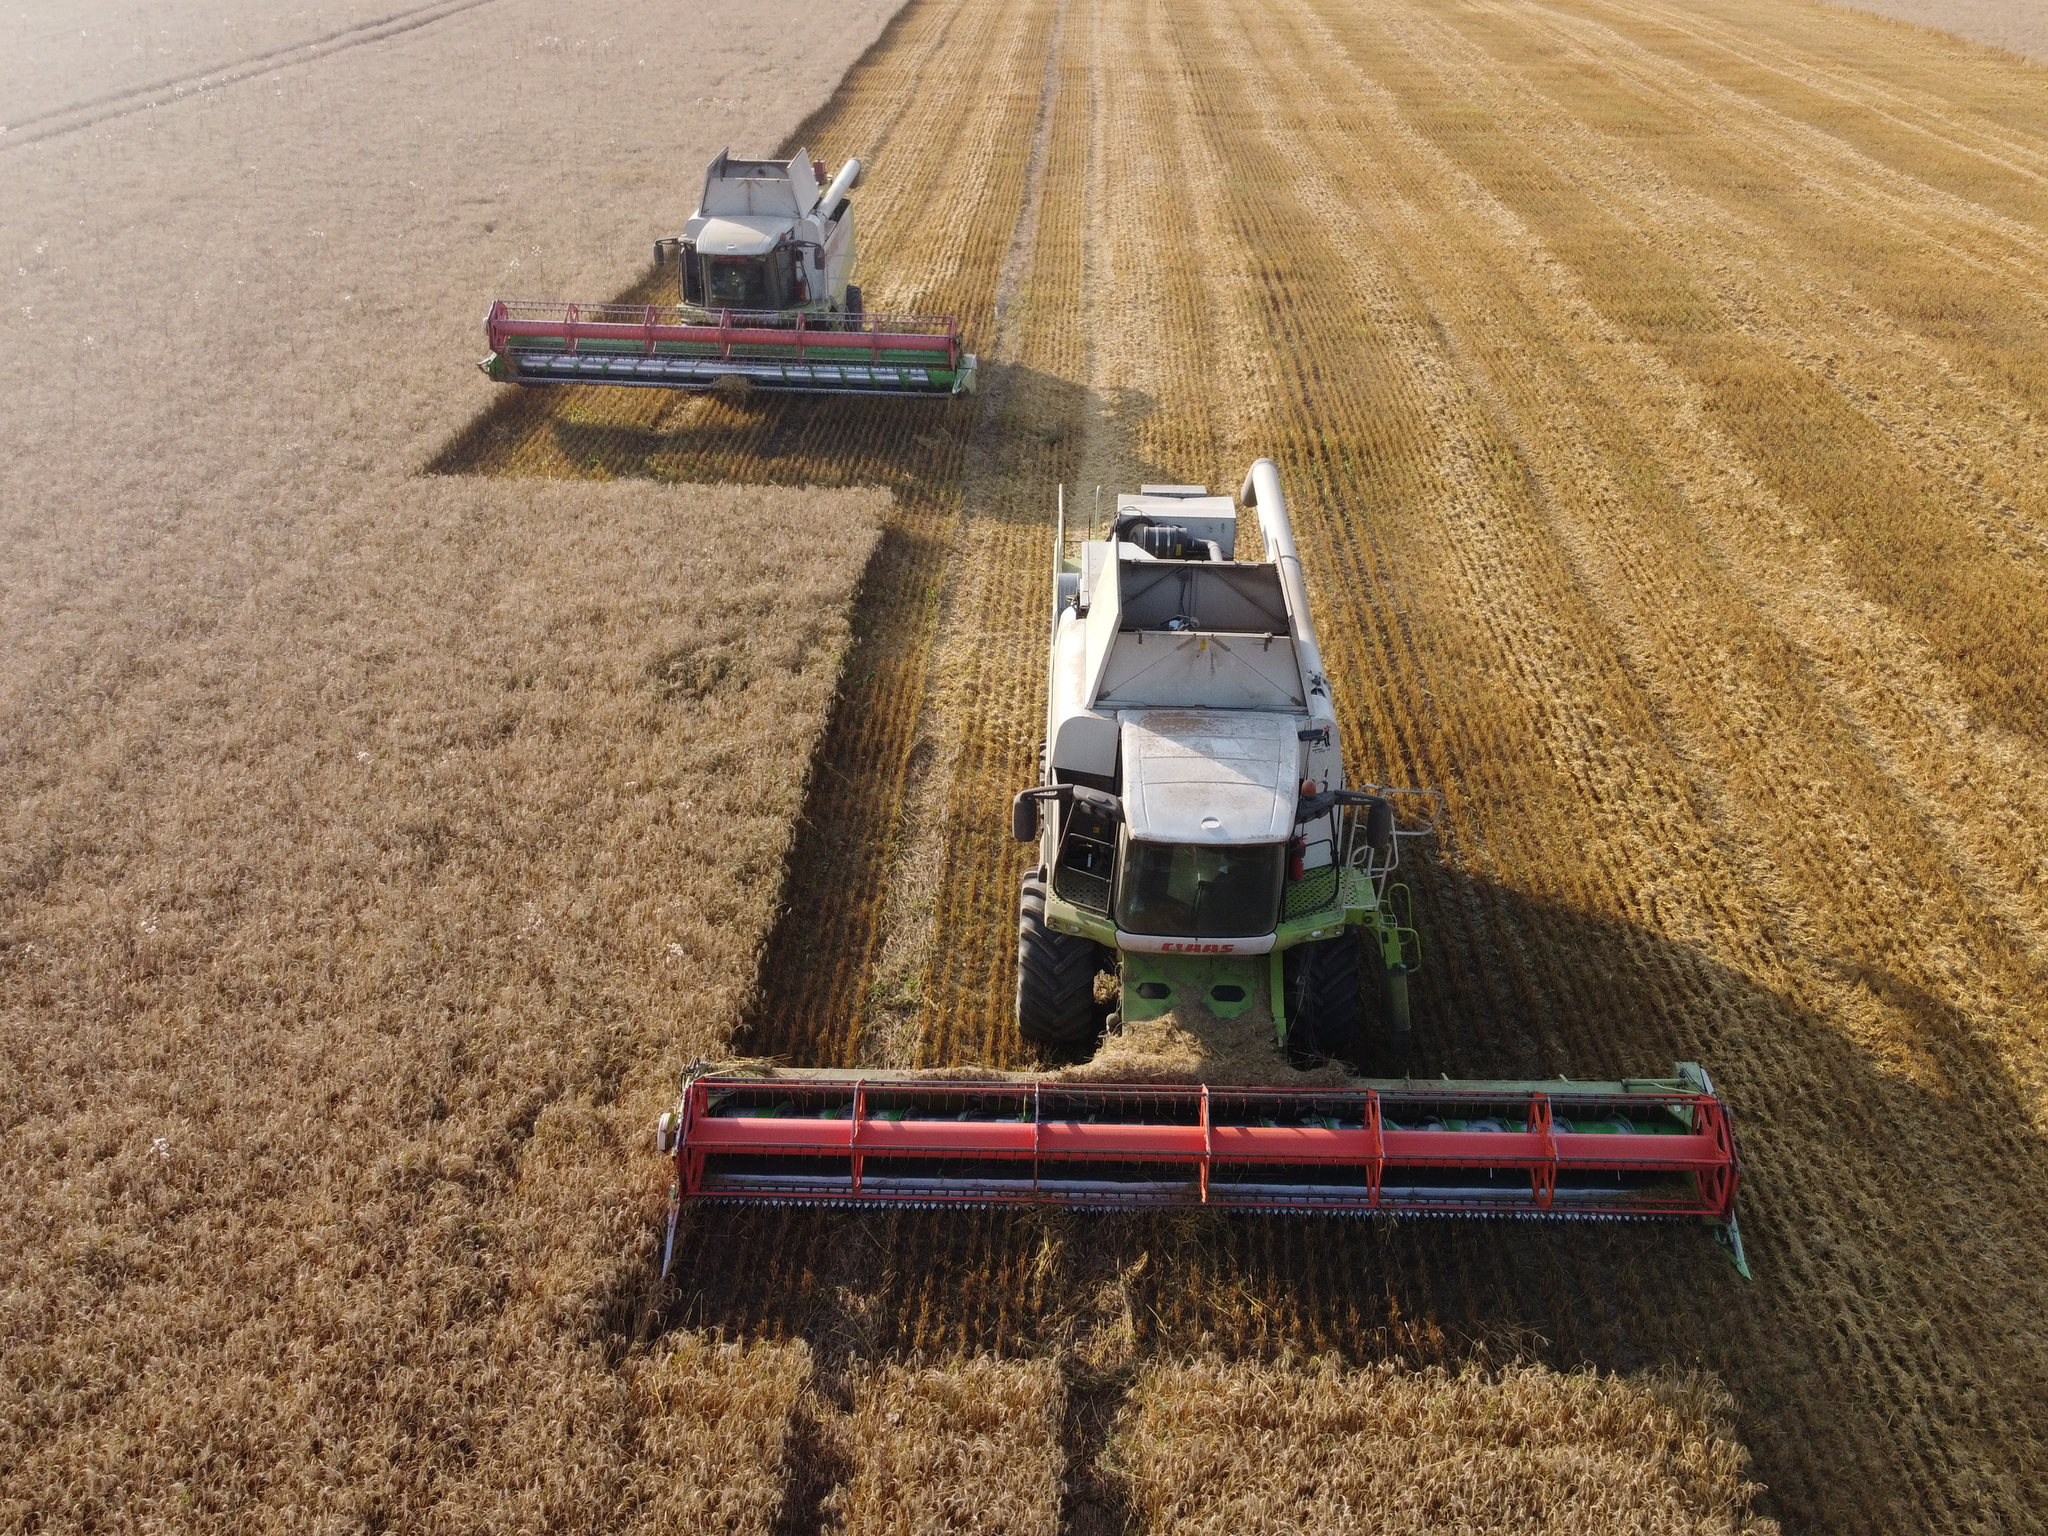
(1323, 982)
(1055, 975)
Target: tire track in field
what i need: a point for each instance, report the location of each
(55, 121)
(1989, 451)
(960, 236)
(1731, 467)
(1136, 332)
(925, 949)
(1911, 711)
(1885, 103)
(994, 721)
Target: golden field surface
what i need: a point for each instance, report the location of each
(2018, 25)
(347, 963)
(1214, 1448)
(374, 851)
(1660, 392)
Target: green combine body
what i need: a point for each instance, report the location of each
(1197, 831)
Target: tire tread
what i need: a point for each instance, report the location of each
(1055, 975)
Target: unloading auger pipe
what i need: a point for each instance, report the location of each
(1261, 492)
(847, 179)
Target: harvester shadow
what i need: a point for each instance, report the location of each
(1016, 431)
(762, 438)
(1827, 1186)
(992, 458)
(812, 1005)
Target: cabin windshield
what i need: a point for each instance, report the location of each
(737, 282)
(1200, 891)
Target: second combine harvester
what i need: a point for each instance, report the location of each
(764, 272)
(1197, 835)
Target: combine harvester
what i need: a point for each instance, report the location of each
(1197, 836)
(765, 269)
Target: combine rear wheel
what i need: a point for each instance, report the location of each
(1323, 983)
(1055, 975)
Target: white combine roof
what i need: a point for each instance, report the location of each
(740, 237)
(1210, 776)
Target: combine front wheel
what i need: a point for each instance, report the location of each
(1322, 982)
(1055, 975)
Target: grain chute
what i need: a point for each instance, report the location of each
(766, 301)
(1198, 840)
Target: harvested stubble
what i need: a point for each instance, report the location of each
(347, 962)
(1214, 1448)
(1659, 392)
(973, 1445)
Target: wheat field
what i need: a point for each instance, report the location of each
(1211, 1446)
(1661, 395)
(968, 1446)
(346, 967)
(2018, 25)
(374, 851)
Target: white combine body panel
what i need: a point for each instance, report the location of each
(774, 209)
(1137, 631)
(1208, 776)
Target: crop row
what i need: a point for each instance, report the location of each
(1664, 442)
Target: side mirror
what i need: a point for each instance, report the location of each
(1024, 811)
(1379, 824)
(1379, 813)
(1024, 817)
